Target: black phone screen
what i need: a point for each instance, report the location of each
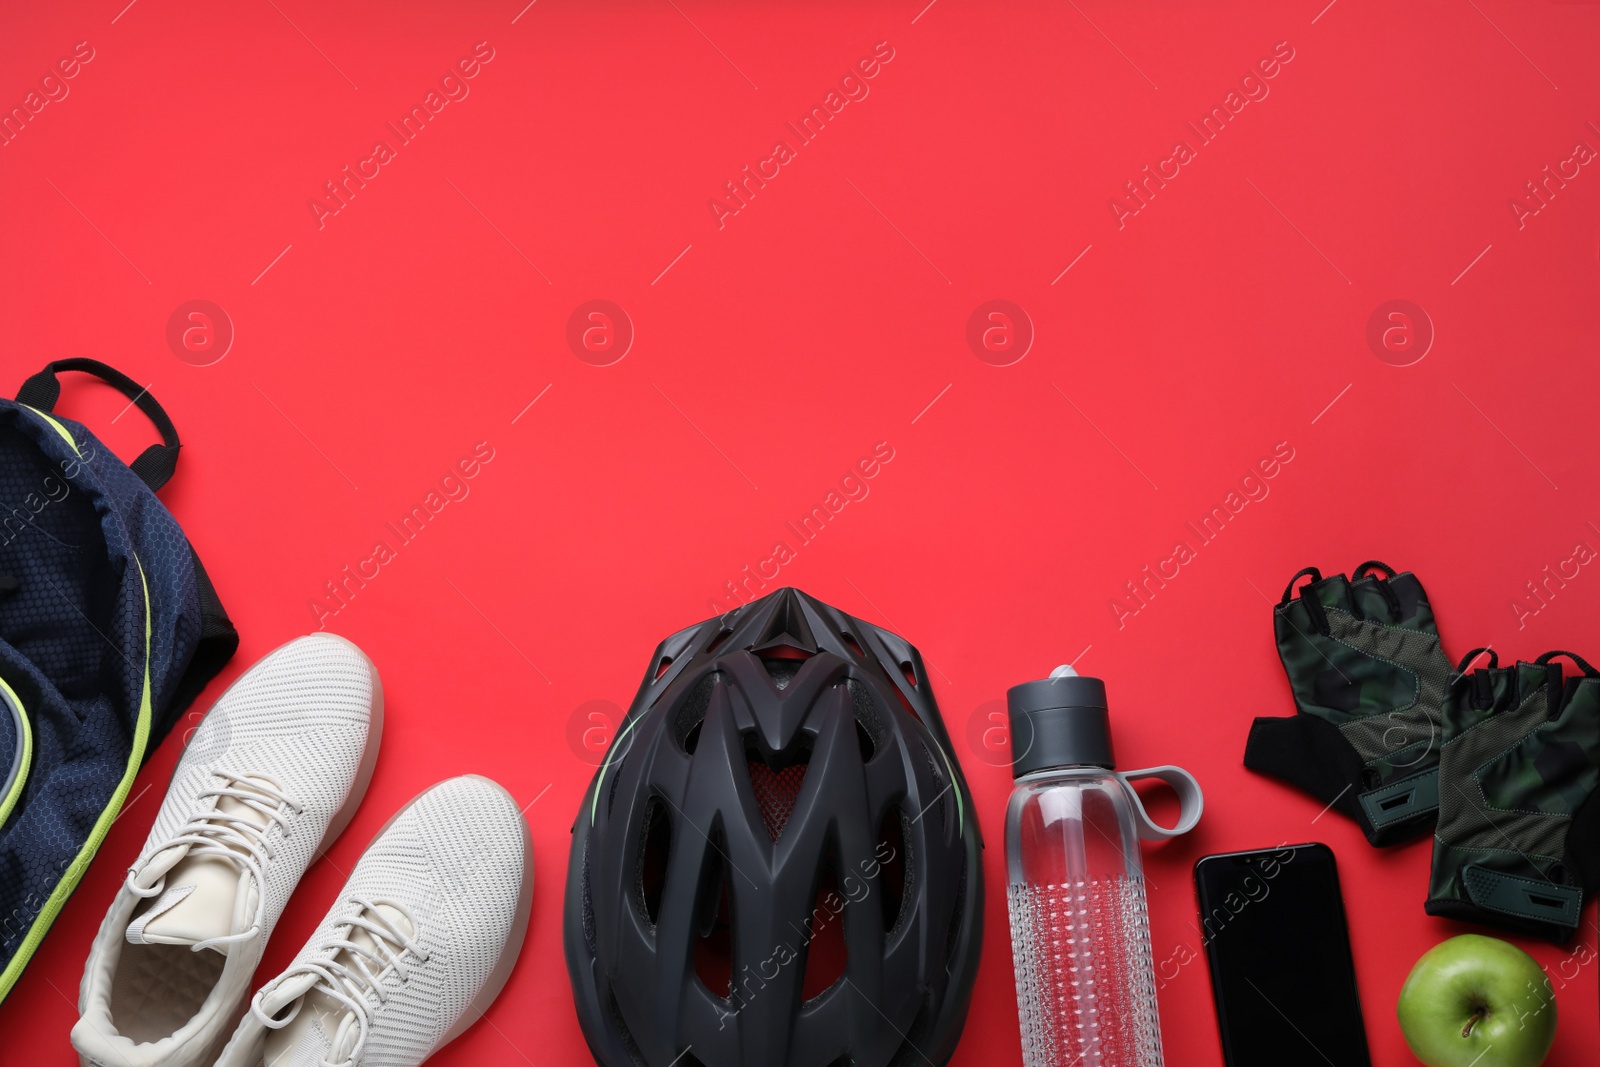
(1275, 935)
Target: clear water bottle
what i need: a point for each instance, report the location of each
(1080, 929)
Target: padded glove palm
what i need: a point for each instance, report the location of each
(1518, 841)
(1368, 675)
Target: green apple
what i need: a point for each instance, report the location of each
(1476, 1001)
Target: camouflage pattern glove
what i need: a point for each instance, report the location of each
(1368, 675)
(1518, 842)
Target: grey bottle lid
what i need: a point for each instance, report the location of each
(1059, 721)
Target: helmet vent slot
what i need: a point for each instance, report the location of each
(718, 641)
(777, 781)
(661, 668)
(713, 947)
(870, 729)
(864, 741)
(854, 645)
(587, 918)
(781, 669)
(691, 713)
(655, 849)
(616, 777)
(911, 675)
(827, 955)
(940, 788)
(894, 868)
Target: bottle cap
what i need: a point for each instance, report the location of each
(1059, 721)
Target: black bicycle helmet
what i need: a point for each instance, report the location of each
(778, 864)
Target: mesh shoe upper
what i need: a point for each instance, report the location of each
(304, 722)
(452, 873)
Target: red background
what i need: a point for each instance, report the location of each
(825, 316)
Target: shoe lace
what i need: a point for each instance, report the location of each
(358, 984)
(230, 837)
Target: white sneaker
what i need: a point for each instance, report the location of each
(419, 944)
(270, 778)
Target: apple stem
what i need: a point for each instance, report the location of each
(1477, 1017)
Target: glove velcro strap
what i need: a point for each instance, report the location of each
(1534, 899)
(1402, 799)
(1311, 754)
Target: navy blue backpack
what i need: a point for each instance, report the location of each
(109, 628)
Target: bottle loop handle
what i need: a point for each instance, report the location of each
(1191, 801)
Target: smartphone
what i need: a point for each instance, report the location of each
(1275, 935)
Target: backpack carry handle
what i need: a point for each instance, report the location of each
(155, 465)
